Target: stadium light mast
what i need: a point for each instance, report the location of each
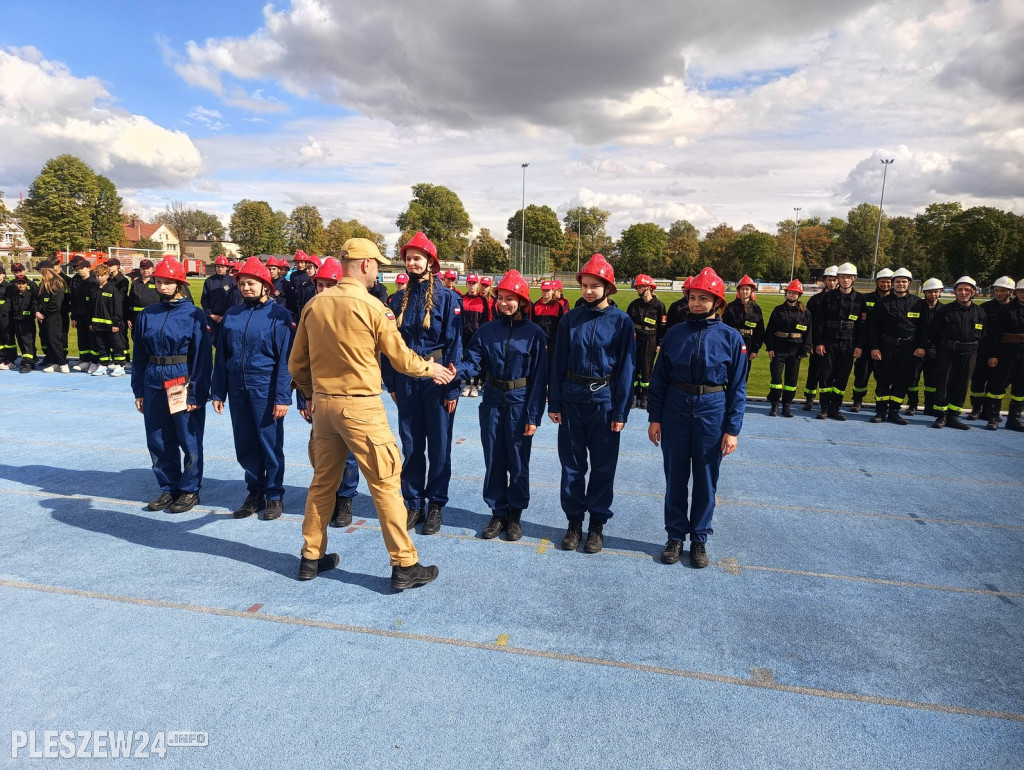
(522, 236)
(796, 232)
(579, 239)
(878, 231)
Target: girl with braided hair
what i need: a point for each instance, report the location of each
(429, 318)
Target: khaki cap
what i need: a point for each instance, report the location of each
(362, 248)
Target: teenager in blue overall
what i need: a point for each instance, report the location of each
(429, 318)
(510, 355)
(590, 391)
(695, 409)
(173, 347)
(251, 375)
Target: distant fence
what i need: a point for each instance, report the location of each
(531, 260)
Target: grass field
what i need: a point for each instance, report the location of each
(757, 386)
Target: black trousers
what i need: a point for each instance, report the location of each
(25, 333)
(8, 350)
(646, 350)
(784, 369)
(86, 345)
(1009, 372)
(834, 372)
(952, 375)
(862, 371)
(51, 336)
(811, 385)
(893, 374)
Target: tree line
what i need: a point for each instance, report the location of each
(70, 205)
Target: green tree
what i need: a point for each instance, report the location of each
(934, 231)
(257, 229)
(858, 237)
(906, 248)
(715, 250)
(305, 230)
(486, 254)
(339, 231)
(641, 250)
(190, 224)
(439, 213)
(683, 251)
(107, 229)
(980, 242)
(753, 253)
(590, 223)
(60, 207)
(542, 227)
(147, 243)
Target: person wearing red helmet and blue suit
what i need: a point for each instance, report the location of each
(695, 409)
(590, 391)
(510, 354)
(251, 375)
(173, 350)
(429, 317)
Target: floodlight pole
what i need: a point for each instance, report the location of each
(878, 230)
(579, 239)
(522, 236)
(796, 232)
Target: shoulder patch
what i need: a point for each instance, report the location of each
(457, 310)
(744, 349)
(389, 314)
(294, 325)
(209, 330)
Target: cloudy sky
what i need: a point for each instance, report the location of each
(730, 111)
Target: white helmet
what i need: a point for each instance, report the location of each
(832, 272)
(1005, 282)
(903, 273)
(966, 279)
(847, 268)
(1020, 285)
(883, 273)
(932, 284)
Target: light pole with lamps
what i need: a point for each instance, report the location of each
(579, 240)
(522, 234)
(796, 232)
(878, 230)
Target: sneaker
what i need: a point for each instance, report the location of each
(465, 391)
(672, 550)
(410, 577)
(698, 556)
(161, 503)
(117, 371)
(99, 371)
(49, 369)
(342, 516)
(595, 539)
(433, 523)
(572, 537)
(254, 502)
(93, 368)
(65, 369)
(474, 392)
(310, 568)
(493, 528)
(274, 510)
(186, 501)
(4, 366)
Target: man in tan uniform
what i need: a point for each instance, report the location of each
(334, 363)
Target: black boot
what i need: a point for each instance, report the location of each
(573, 533)
(433, 523)
(161, 503)
(186, 501)
(643, 398)
(494, 527)
(410, 577)
(342, 516)
(809, 403)
(774, 411)
(880, 412)
(977, 405)
(670, 555)
(254, 503)
(514, 530)
(858, 402)
(953, 421)
(911, 404)
(414, 518)
(929, 405)
(273, 510)
(824, 400)
(310, 568)
(894, 414)
(940, 420)
(595, 538)
(786, 410)
(698, 555)
(1013, 418)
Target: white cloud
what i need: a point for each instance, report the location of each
(46, 111)
(210, 119)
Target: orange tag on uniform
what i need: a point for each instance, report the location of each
(177, 394)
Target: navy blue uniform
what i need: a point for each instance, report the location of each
(172, 340)
(301, 290)
(511, 358)
(699, 352)
(251, 374)
(424, 425)
(591, 386)
(219, 293)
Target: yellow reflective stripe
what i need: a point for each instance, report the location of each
(913, 315)
(102, 321)
(651, 321)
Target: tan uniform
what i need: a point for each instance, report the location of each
(335, 364)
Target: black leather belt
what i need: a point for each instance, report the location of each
(960, 347)
(697, 390)
(789, 336)
(493, 382)
(168, 360)
(747, 332)
(594, 383)
(897, 341)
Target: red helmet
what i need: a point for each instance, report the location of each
(545, 285)
(169, 267)
(314, 260)
(451, 275)
(271, 261)
(401, 279)
(300, 256)
(708, 280)
(330, 270)
(472, 278)
(514, 282)
(643, 281)
(485, 280)
(598, 265)
(222, 260)
(746, 281)
(256, 269)
(687, 282)
(423, 243)
(558, 284)
(796, 286)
